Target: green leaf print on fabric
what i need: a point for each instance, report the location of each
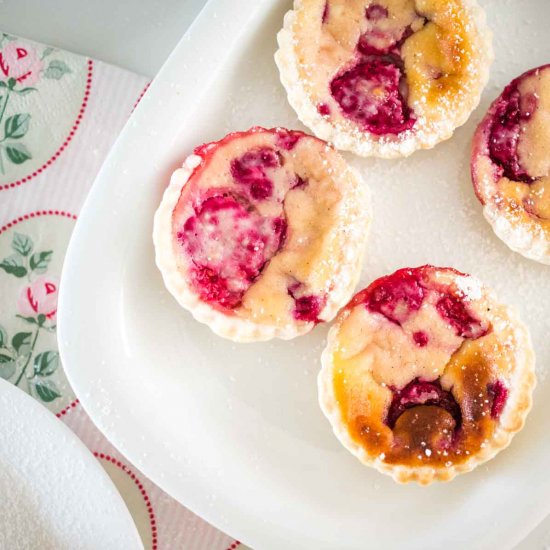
(23, 263)
(39, 261)
(18, 153)
(21, 362)
(46, 363)
(22, 244)
(21, 68)
(13, 265)
(56, 69)
(16, 126)
(46, 390)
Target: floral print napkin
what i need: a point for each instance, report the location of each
(59, 115)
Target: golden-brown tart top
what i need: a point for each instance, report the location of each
(395, 74)
(423, 368)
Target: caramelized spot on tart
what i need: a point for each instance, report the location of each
(425, 428)
(436, 422)
(418, 393)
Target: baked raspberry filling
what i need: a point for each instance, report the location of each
(323, 109)
(229, 243)
(374, 92)
(418, 393)
(298, 183)
(499, 394)
(287, 139)
(418, 365)
(307, 307)
(382, 41)
(251, 170)
(375, 12)
(231, 222)
(510, 112)
(421, 339)
(510, 145)
(372, 95)
(455, 312)
(398, 296)
(324, 17)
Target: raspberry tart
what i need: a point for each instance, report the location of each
(426, 375)
(386, 77)
(262, 234)
(511, 164)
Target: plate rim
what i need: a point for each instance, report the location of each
(78, 449)
(202, 25)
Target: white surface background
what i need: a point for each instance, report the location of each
(135, 34)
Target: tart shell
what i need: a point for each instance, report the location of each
(520, 233)
(239, 329)
(512, 420)
(349, 138)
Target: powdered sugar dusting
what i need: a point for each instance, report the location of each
(267, 232)
(426, 212)
(510, 166)
(53, 493)
(469, 287)
(437, 119)
(449, 404)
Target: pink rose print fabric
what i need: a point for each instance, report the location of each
(21, 62)
(39, 298)
(59, 115)
(35, 80)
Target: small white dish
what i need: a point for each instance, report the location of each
(235, 432)
(54, 494)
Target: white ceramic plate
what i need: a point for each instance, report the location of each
(235, 432)
(54, 495)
